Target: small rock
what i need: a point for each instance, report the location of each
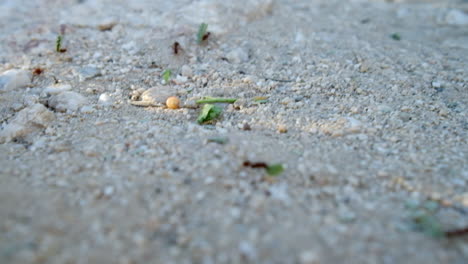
(179, 79)
(287, 101)
(240, 104)
(87, 109)
(14, 79)
(364, 67)
(309, 257)
(105, 99)
(157, 94)
(384, 108)
(68, 100)
(56, 89)
(28, 121)
(436, 84)
(108, 190)
(186, 71)
(282, 129)
(443, 112)
(247, 250)
(353, 125)
(190, 103)
(237, 56)
(456, 17)
(88, 73)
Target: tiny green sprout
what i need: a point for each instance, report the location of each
(167, 75)
(274, 169)
(395, 36)
(201, 32)
(58, 43)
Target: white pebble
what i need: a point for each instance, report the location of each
(56, 89)
(14, 79)
(29, 120)
(87, 109)
(180, 79)
(436, 84)
(456, 17)
(309, 257)
(108, 191)
(105, 99)
(237, 56)
(186, 71)
(67, 101)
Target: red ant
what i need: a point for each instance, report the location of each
(206, 36)
(255, 164)
(38, 71)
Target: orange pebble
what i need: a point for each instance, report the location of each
(173, 102)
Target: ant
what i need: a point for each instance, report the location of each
(255, 164)
(206, 36)
(38, 71)
(176, 47)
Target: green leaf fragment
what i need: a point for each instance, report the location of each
(274, 169)
(260, 99)
(208, 113)
(167, 75)
(201, 32)
(428, 224)
(395, 36)
(218, 140)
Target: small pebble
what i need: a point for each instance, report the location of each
(32, 119)
(58, 88)
(88, 73)
(237, 56)
(456, 17)
(14, 79)
(282, 129)
(436, 84)
(308, 257)
(186, 71)
(67, 101)
(105, 99)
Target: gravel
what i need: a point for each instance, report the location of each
(94, 168)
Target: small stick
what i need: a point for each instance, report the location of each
(456, 232)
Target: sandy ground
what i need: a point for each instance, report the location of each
(366, 109)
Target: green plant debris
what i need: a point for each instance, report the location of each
(58, 44)
(218, 140)
(260, 99)
(208, 113)
(423, 218)
(201, 32)
(427, 224)
(167, 75)
(395, 36)
(274, 169)
(213, 100)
